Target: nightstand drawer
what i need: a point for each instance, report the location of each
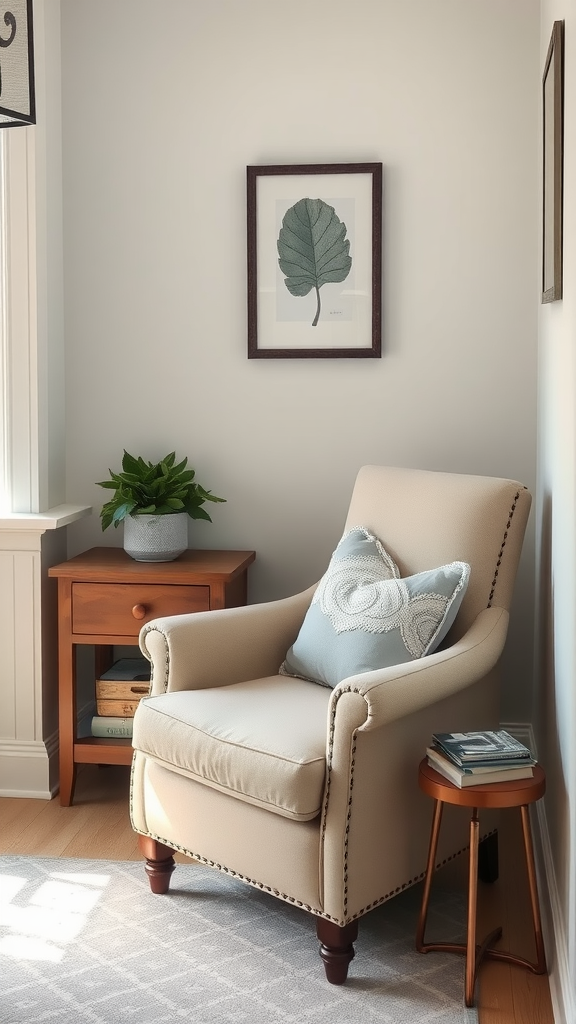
(121, 609)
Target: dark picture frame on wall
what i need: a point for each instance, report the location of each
(553, 161)
(314, 261)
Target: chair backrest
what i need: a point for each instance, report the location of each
(426, 519)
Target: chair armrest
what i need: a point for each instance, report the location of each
(401, 690)
(379, 725)
(224, 646)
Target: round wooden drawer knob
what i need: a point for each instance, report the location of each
(139, 611)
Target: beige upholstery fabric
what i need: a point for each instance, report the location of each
(433, 518)
(251, 642)
(268, 850)
(225, 767)
(263, 741)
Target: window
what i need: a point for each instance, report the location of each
(18, 379)
(4, 489)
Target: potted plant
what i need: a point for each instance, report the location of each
(154, 501)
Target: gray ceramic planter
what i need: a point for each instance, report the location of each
(156, 538)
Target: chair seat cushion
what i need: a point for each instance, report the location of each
(262, 741)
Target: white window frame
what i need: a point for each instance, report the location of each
(19, 476)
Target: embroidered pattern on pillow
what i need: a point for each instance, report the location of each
(374, 608)
(338, 593)
(364, 616)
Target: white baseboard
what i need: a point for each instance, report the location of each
(555, 938)
(29, 768)
(553, 927)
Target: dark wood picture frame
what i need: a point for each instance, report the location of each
(553, 160)
(340, 316)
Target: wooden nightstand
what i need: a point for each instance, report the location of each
(104, 599)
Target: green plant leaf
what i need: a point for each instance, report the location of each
(207, 495)
(200, 513)
(153, 488)
(107, 483)
(105, 518)
(312, 248)
(129, 463)
(129, 478)
(179, 469)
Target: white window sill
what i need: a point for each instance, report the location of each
(53, 519)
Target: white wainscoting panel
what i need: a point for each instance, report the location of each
(28, 652)
(22, 752)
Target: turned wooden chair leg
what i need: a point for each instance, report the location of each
(336, 948)
(159, 863)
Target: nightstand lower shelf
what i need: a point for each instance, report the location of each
(97, 750)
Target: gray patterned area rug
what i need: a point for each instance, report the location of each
(86, 942)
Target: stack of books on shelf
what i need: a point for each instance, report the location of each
(118, 692)
(479, 758)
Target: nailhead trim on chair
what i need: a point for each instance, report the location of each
(347, 689)
(222, 867)
(146, 630)
(276, 892)
(401, 888)
(502, 546)
(238, 874)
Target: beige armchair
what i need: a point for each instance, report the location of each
(307, 792)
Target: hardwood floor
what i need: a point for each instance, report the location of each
(97, 825)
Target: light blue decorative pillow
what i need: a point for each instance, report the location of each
(363, 616)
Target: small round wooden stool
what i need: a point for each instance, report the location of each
(517, 793)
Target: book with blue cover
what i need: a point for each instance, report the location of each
(482, 748)
(502, 771)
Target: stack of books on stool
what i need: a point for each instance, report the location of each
(479, 758)
(118, 692)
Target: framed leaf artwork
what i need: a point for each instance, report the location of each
(314, 261)
(553, 161)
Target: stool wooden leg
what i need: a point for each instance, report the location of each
(528, 846)
(436, 822)
(472, 952)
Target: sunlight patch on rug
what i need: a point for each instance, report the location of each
(86, 942)
(50, 916)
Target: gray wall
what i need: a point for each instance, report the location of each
(164, 105)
